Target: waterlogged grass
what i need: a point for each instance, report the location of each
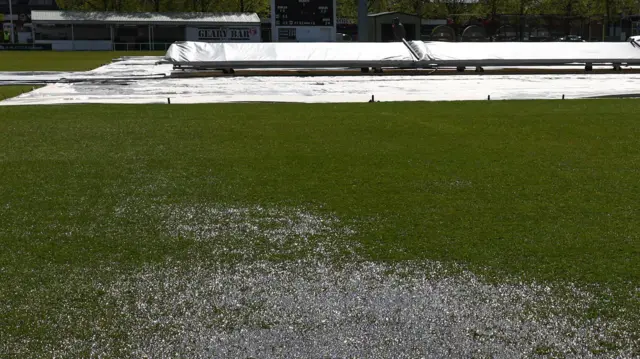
(526, 190)
(63, 61)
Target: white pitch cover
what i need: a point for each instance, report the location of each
(290, 54)
(548, 53)
(397, 54)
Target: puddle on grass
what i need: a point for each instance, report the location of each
(311, 309)
(248, 231)
(315, 306)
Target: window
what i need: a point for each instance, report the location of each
(52, 32)
(91, 32)
(168, 34)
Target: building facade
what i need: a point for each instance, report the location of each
(76, 30)
(19, 14)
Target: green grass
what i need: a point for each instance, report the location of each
(62, 61)
(12, 91)
(544, 190)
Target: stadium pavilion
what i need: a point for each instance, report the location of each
(76, 30)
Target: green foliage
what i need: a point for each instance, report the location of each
(348, 8)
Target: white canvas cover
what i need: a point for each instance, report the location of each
(399, 54)
(531, 53)
(290, 54)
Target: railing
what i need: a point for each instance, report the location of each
(143, 46)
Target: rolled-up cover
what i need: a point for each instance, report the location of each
(273, 54)
(400, 54)
(528, 53)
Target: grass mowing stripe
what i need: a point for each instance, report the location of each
(543, 190)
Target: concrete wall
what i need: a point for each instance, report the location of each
(78, 45)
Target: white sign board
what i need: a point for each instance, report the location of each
(223, 33)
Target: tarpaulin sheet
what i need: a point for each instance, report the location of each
(290, 54)
(531, 53)
(319, 89)
(334, 89)
(399, 54)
